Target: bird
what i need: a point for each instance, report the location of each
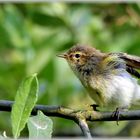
(109, 78)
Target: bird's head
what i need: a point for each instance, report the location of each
(79, 55)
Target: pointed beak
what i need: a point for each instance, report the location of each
(62, 55)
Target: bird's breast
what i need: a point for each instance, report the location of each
(114, 90)
(95, 89)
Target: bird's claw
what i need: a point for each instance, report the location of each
(116, 114)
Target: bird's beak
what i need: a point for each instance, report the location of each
(62, 55)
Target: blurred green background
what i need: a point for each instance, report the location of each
(32, 34)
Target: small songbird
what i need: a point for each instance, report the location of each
(109, 78)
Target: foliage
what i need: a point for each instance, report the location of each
(32, 34)
(25, 100)
(40, 126)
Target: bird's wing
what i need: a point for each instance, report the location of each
(133, 71)
(131, 60)
(132, 63)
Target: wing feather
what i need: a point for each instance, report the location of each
(132, 63)
(131, 60)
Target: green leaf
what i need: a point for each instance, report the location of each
(25, 100)
(14, 25)
(47, 20)
(40, 126)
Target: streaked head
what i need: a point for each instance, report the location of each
(78, 54)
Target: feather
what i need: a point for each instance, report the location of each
(131, 60)
(133, 71)
(132, 63)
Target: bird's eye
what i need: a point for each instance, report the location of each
(77, 55)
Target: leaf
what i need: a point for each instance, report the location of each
(40, 126)
(25, 100)
(47, 20)
(15, 27)
(40, 60)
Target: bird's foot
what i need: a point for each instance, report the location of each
(116, 114)
(94, 107)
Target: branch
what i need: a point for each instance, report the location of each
(67, 113)
(84, 127)
(80, 117)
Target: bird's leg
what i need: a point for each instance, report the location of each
(116, 113)
(94, 107)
